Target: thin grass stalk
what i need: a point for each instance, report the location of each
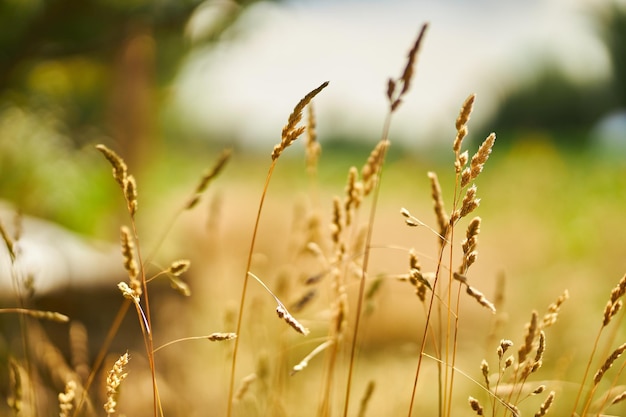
(231, 387)
(366, 257)
(596, 344)
(148, 334)
(117, 322)
(614, 384)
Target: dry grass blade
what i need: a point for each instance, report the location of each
(291, 131)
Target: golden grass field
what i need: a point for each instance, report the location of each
(550, 222)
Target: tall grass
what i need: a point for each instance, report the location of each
(326, 289)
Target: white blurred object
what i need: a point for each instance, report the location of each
(54, 258)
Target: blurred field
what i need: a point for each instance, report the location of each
(551, 221)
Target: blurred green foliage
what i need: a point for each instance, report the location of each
(559, 108)
(77, 72)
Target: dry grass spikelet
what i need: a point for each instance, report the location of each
(545, 406)
(608, 363)
(614, 304)
(470, 244)
(245, 385)
(218, 337)
(475, 405)
(66, 399)
(130, 264)
(38, 314)
(130, 192)
(539, 390)
(354, 189)
(478, 160)
(15, 397)
(291, 131)
(208, 177)
(119, 166)
(336, 225)
(553, 310)
(179, 267)
(461, 128)
(505, 344)
(480, 297)
(291, 320)
(484, 369)
(529, 339)
(443, 219)
(128, 292)
(79, 348)
(114, 379)
(469, 204)
(396, 98)
(369, 172)
(313, 149)
(367, 395)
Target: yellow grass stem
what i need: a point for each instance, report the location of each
(290, 133)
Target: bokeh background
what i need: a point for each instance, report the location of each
(169, 84)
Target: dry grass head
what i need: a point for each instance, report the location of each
(292, 131)
(116, 375)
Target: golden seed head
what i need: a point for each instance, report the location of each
(119, 166)
(292, 131)
(114, 379)
(218, 337)
(177, 268)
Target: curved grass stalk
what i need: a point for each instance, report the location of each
(290, 133)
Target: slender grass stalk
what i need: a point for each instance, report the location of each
(395, 99)
(290, 133)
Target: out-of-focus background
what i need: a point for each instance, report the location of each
(167, 84)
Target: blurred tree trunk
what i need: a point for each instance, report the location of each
(132, 108)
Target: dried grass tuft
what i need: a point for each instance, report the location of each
(218, 337)
(208, 177)
(545, 406)
(66, 399)
(130, 263)
(291, 320)
(120, 170)
(608, 363)
(614, 304)
(443, 219)
(114, 379)
(529, 339)
(475, 405)
(292, 131)
(478, 160)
